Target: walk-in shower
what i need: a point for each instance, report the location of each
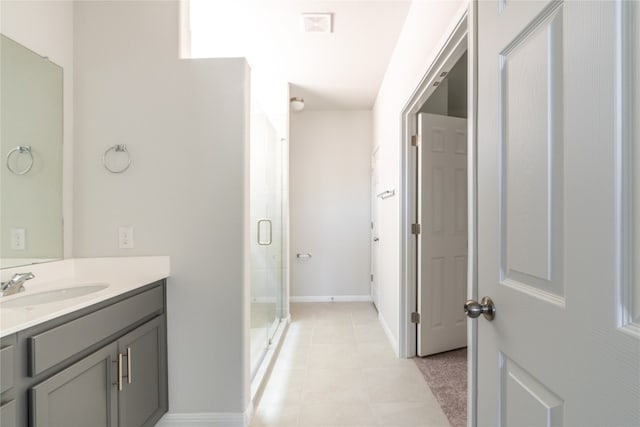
(267, 233)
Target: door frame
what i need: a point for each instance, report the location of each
(375, 218)
(461, 37)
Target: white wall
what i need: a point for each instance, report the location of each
(46, 27)
(185, 123)
(426, 26)
(330, 203)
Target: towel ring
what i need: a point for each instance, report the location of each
(118, 148)
(20, 149)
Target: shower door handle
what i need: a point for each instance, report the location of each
(264, 242)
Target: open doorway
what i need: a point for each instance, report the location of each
(438, 246)
(441, 254)
(441, 182)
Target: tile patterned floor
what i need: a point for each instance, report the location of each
(337, 368)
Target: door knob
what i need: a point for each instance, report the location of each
(473, 308)
(375, 239)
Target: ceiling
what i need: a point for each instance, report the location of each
(341, 70)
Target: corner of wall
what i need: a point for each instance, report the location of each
(185, 31)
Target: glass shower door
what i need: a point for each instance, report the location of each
(267, 278)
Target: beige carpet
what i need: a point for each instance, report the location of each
(446, 374)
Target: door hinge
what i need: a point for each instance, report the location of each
(372, 277)
(415, 229)
(415, 317)
(415, 140)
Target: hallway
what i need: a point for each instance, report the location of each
(337, 368)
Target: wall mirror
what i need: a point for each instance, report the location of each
(31, 135)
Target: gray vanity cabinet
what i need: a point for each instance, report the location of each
(118, 385)
(104, 366)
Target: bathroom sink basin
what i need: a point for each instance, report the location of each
(53, 295)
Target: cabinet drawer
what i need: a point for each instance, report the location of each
(55, 345)
(6, 368)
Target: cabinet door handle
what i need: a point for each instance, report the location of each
(119, 371)
(129, 365)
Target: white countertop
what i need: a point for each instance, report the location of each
(122, 274)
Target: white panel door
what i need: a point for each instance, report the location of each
(552, 245)
(442, 247)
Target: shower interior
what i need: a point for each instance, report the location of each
(268, 233)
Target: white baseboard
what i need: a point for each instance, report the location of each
(329, 298)
(207, 419)
(389, 334)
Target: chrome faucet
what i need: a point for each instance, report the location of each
(15, 284)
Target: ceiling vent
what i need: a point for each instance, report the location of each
(317, 22)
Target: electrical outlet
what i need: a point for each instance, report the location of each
(18, 239)
(125, 237)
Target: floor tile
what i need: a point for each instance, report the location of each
(337, 414)
(409, 414)
(341, 385)
(336, 367)
(285, 415)
(396, 384)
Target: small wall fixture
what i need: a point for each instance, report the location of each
(16, 152)
(109, 159)
(297, 104)
(387, 194)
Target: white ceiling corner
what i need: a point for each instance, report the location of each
(342, 69)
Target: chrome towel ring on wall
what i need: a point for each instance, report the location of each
(118, 148)
(20, 149)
